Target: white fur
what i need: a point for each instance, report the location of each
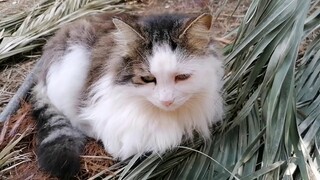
(66, 79)
(131, 120)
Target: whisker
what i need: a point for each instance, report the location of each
(141, 55)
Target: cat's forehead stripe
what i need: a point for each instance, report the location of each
(164, 28)
(163, 60)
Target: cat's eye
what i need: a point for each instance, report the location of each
(182, 77)
(148, 79)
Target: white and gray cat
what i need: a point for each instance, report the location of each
(137, 83)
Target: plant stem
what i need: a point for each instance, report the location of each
(15, 101)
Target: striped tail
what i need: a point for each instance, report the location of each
(59, 144)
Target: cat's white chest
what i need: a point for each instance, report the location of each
(128, 126)
(135, 132)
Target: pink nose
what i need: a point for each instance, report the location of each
(167, 103)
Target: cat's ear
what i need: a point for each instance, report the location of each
(198, 31)
(126, 33)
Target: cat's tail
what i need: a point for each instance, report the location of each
(59, 143)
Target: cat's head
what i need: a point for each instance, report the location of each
(165, 59)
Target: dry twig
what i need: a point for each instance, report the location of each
(14, 103)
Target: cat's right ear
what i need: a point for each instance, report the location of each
(198, 31)
(126, 34)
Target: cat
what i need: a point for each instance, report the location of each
(137, 83)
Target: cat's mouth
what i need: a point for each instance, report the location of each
(168, 107)
(162, 107)
(175, 105)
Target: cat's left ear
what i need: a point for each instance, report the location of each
(198, 31)
(126, 33)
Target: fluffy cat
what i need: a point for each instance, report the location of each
(137, 83)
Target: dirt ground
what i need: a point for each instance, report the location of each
(12, 75)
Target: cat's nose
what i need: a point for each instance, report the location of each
(167, 103)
